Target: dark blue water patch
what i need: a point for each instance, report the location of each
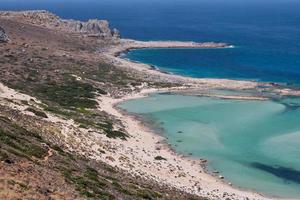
(235, 63)
(233, 21)
(291, 106)
(285, 173)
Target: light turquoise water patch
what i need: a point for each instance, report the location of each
(254, 144)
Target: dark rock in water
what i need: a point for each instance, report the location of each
(285, 173)
(3, 36)
(274, 84)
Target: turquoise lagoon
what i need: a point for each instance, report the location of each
(254, 144)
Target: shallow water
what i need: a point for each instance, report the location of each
(254, 144)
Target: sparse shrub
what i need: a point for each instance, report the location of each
(70, 94)
(160, 158)
(37, 112)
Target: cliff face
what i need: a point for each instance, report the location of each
(91, 28)
(94, 27)
(3, 36)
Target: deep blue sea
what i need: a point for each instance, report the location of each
(266, 33)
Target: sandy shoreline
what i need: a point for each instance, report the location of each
(112, 55)
(125, 45)
(180, 171)
(195, 179)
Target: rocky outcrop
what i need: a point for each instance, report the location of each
(3, 36)
(91, 28)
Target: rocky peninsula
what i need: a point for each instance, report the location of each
(62, 136)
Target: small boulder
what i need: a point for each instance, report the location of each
(116, 33)
(3, 36)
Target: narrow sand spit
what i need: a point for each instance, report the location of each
(112, 56)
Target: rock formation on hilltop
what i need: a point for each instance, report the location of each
(3, 36)
(92, 28)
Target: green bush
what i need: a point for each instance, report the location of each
(70, 94)
(160, 158)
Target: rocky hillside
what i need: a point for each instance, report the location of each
(33, 167)
(91, 28)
